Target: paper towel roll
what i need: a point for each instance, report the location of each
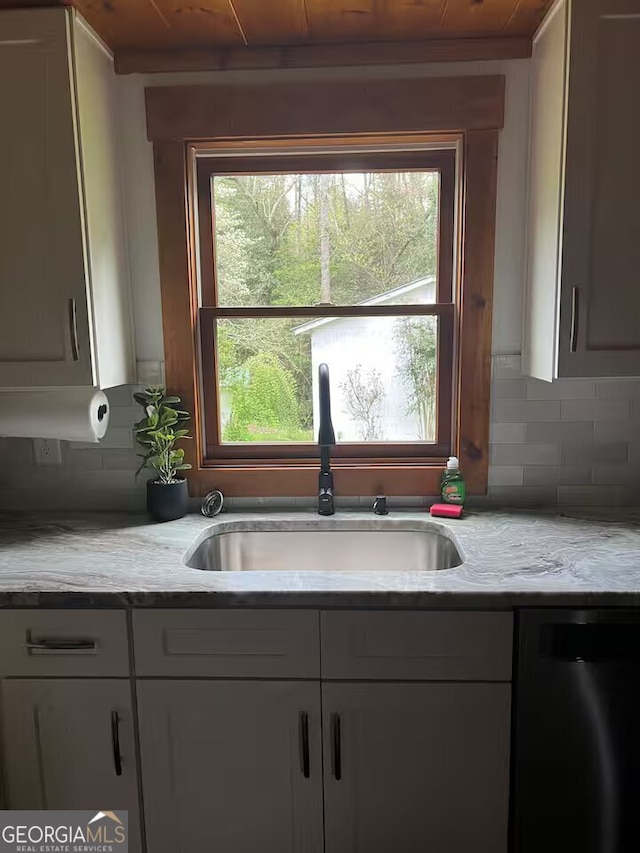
(74, 414)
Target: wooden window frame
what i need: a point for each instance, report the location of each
(467, 112)
(440, 160)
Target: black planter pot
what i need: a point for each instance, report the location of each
(167, 501)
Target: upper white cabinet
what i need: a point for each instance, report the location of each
(65, 316)
(583, 286)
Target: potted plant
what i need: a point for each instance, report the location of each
(157, 433)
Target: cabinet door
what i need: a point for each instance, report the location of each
(600, 293)
(69, 744)
(545, 180)
(231, 766)
(44, 329)
(416, 767)
(98, 131)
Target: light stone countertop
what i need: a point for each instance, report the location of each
(510, 559)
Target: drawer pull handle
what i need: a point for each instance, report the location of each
(575, 317)
(115, 743)
(303, 732)
(73, 330)
(43, 647)
(336, 747)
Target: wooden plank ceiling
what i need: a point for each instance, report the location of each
(225, 25)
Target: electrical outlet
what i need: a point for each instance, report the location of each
(47, 451)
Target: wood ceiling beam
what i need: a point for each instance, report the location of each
(305, 109)
(322, 56)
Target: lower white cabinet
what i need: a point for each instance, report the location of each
(231, 766)
(69, 744)
(237, 766)
(416, 767)
(360, 732)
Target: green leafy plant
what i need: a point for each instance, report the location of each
(158, 431)
(264, 406)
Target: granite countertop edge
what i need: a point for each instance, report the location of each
(581, 558)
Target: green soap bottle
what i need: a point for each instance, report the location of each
(453, 488)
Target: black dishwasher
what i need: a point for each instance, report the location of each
(576, 780)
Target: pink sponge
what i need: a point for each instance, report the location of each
(447, 510)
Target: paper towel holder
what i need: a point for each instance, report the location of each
(102, 412)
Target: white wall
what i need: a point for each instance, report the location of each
(140, 198)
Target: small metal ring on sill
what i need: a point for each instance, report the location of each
(212, 504)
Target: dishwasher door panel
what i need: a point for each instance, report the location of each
(577, 730)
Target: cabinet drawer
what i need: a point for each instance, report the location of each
(42, 643)
(421, 646)
(227, 643)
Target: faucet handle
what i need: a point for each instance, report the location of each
(380, 505)
(325, 502)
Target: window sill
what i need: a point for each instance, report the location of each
(273, 480)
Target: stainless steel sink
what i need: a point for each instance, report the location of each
(336, 545)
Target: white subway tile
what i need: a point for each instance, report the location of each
(561, 389)
(576, 475)
(505, 475)
(573, 453)
(616, 475)
(621, 431)
(506, 366)
(507, 433)
(525, 454)
(399, 503)
(121, 395)
(118, 437)
(522, 496)
(548, 433)
(124, 416)
(595, 410)
(84, 445)
(105, 481)
(89, 460)
(618, 390)
(262, 504)
(541, 475)
(16, 453)
(597, 495)
(120, 460)
(305, 502)
(150, 373)
(526, 411)
(509, 389)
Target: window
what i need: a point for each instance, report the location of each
(346, 260)
(245, 313)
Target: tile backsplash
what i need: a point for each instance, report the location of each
(576, 442)
(571, 442)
